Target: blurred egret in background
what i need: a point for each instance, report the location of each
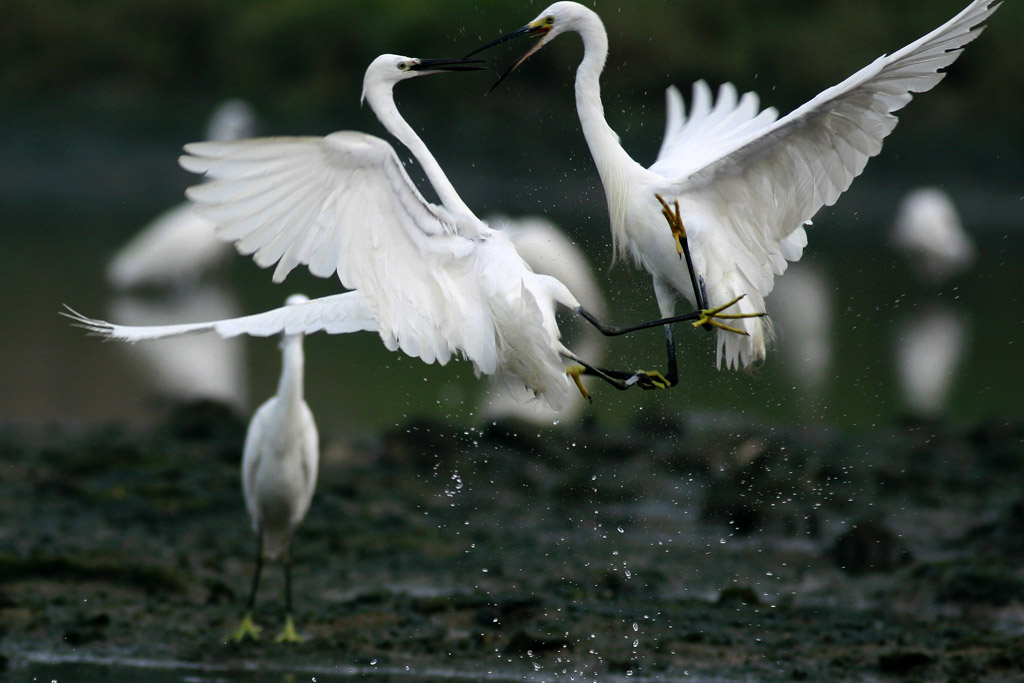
(433, 280)
(929, 230)
(160, 275)
(801, 307)
(931, 340)
(279, 470)
(180, 246)
(736, 185)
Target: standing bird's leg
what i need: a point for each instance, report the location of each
(248, 628)
(288, 633)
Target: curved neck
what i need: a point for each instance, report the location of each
(290, 387)
(602, 140)
(382, 101)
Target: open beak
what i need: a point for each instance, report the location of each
(540, 31)
(439, 65)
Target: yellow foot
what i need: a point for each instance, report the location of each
(247, 629)
(288, 634)
(651, 380)
(675, 223)
(709, 317)
(575, 371)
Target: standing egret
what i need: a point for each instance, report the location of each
(279, 468)
(737, 185)
(434, 279)
(179, 245)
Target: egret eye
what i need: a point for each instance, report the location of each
(403, 66)
(549, 20)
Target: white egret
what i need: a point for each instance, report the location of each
(929, 230)
(279, 469)
(434, 279)
(737, 185)
(179, 245)
(546, 249)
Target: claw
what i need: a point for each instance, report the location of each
(709, 317)
(247, 629)
(675, 223)
(288, 634)
(651, 379)
(575, 371)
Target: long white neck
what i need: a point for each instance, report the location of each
(382, 101)
(290, 387)
(604, 145)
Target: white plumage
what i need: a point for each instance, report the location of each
(279, 462)
(547, 250)
(746, 181)
(433, 280)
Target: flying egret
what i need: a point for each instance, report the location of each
(547, 250)
(434, 279)
(179, 245)
(736, 185)
(279, 468)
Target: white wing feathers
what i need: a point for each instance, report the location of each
(336, 314)
(344, 203)
(691, 142)
(781, 175)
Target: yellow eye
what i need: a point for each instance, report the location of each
(403, 66)
(549, 20)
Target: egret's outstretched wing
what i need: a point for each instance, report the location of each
(337, 314)
(774, 181)
(711, 129)
(344, 203)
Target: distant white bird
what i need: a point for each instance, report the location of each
(928, 228)
(279, 469)
(737, 184)
(179, 246)
(547, 250)
(802, 307)
(433, 280)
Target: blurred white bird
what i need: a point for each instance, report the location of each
(548, 251)
(279, 469)
(194, 366)
(929, 230)
(801, 306)
(735, 184)
(433, 280)
(179, 246)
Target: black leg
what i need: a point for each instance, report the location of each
(251, 604)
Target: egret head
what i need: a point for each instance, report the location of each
(387, 70)
(559, 18)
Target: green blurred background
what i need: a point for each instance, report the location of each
(96, 99)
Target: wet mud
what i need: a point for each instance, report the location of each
(675, 549)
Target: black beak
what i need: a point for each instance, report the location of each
(524, 31)
(463, 64)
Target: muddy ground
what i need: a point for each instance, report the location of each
(676, 549)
